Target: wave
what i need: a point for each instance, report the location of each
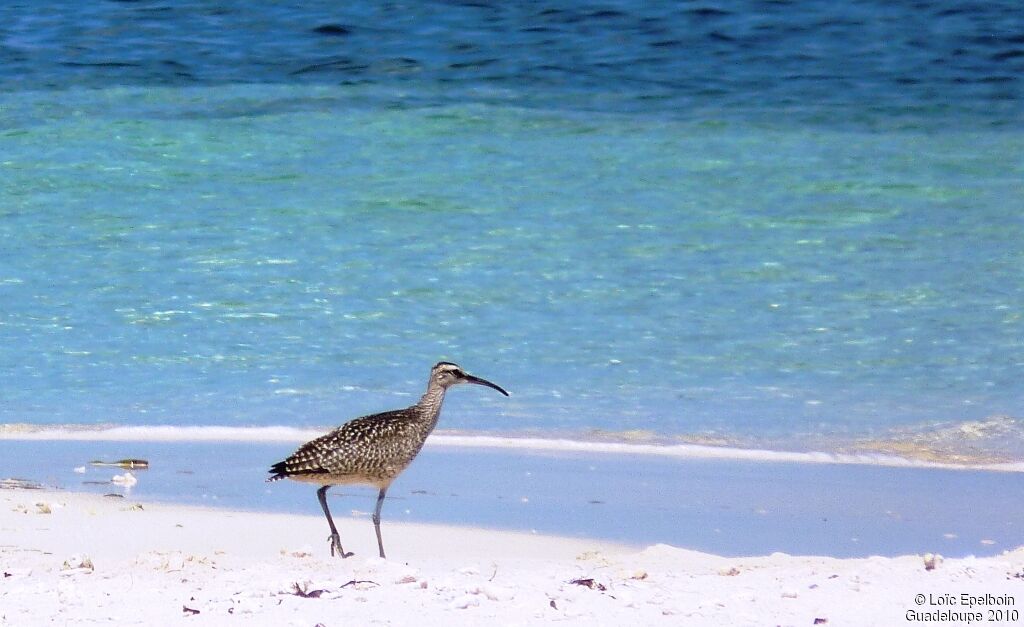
(283, 434)
(995, 438)
(156, 433)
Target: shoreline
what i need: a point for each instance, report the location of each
(587, 445)
(80, 558)
(719, 506)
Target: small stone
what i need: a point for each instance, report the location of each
(931, 561)
(78, 563)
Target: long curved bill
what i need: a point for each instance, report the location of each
(477, 380)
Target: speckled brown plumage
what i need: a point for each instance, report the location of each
(370, 450)
(374, 449)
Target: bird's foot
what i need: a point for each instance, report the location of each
(335, 541)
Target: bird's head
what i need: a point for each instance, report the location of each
(447, 374)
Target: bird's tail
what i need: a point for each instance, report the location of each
(278, 472)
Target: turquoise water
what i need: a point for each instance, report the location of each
(730, 249)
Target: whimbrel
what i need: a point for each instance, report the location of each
(372, 450)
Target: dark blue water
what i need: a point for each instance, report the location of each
(852, 60)
(774, 224)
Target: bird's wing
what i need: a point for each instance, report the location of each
(356, 447)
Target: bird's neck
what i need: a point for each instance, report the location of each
(430, 404)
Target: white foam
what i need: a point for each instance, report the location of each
(160, 433)
(700, 451)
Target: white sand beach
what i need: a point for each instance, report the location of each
(74, 559)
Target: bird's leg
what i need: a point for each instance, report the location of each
(376, 519)
(335, 539)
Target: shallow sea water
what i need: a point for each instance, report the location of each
(779, 233)
(724, 506)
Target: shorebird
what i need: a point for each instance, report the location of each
(372, 450)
